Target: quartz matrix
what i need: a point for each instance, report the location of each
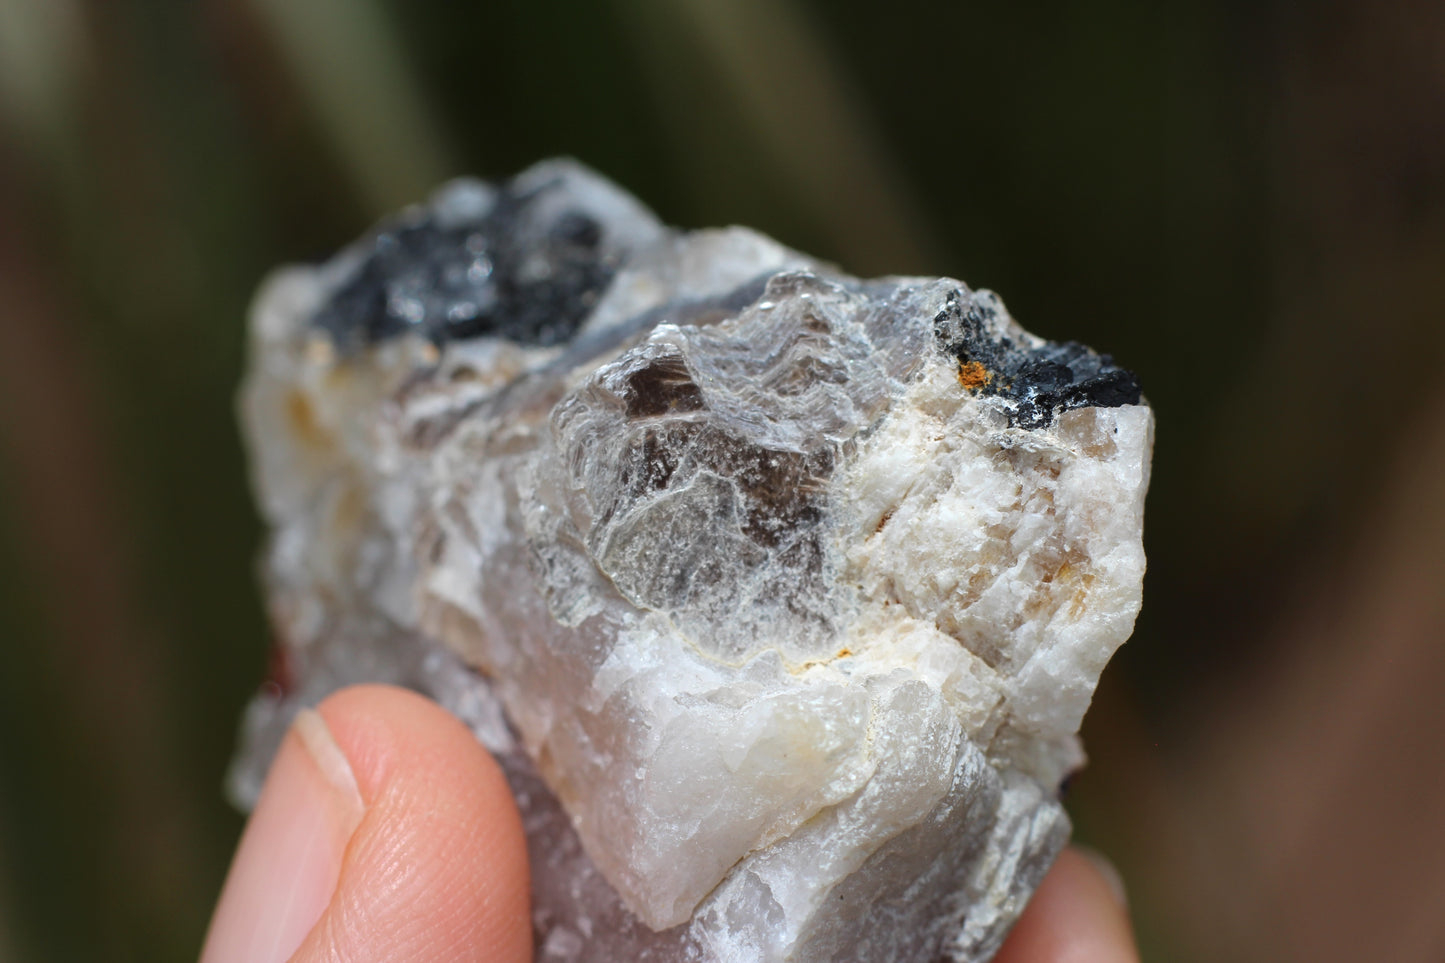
(779, 594)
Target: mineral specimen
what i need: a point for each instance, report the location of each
(780, 594)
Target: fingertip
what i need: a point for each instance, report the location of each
(1078, 915)
(436, 869)
(388, 733)
(1107, 871)
(290, 856)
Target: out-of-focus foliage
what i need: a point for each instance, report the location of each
(1243, 201)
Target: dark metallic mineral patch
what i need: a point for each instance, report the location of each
(1041, 379)
(512, 271)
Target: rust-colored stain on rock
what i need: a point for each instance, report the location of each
(973, 375)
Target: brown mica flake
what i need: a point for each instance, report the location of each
(973, 375)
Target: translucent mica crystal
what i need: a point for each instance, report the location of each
(780, 594)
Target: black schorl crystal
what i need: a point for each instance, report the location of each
(1042, 381)
(510, 272)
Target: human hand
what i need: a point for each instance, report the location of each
(386, 832)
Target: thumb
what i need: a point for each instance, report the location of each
(384, 832)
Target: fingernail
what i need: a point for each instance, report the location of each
(1109, 871)
(287, 865)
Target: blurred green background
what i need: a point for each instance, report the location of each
(1243, 200)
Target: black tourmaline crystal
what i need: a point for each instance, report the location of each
(1041, 378)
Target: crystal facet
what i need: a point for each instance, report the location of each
(780, 594)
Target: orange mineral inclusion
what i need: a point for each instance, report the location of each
(972, 375)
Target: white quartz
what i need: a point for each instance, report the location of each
(781, 630)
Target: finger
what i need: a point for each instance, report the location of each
(384, 832)
(1077, 916)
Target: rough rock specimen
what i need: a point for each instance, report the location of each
(780, 594)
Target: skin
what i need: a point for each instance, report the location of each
(386, 832)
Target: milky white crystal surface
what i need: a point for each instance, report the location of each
(779, 594)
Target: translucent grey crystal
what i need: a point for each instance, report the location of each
(780, 594)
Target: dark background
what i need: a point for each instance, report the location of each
(1244, 201)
